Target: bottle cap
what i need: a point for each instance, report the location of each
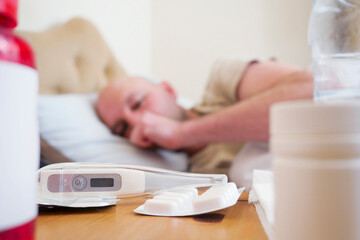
(8, 13)
(308, 117)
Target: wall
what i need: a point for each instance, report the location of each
(189, 35)
(125, 24)
(285, 28)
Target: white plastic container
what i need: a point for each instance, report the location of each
(316, 148)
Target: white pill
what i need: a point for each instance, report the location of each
(208, 203)
(160, 206)
(180, 201)
(193, 192)
(186, 196)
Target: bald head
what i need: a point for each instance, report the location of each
(112, 95)
(121, 104)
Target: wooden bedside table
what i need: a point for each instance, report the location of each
(120, 222)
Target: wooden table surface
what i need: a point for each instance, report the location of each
(120, 222)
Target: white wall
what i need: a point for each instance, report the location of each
(179, 40)
(285, 28)
(125, 24)
(189, 35)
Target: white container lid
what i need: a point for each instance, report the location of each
(309, 117)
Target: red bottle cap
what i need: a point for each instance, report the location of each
(8, 13)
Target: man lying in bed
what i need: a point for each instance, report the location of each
(234, 110)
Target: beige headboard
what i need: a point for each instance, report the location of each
(73, 58)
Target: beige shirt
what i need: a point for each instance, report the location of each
(220, 92)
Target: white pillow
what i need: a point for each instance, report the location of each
(69, 123)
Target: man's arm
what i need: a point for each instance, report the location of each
(246, 120)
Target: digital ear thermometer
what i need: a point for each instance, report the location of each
(101, 184)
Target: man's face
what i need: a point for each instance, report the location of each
(122, 103)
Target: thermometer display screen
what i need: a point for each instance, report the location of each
(101, 182)
(84, 182)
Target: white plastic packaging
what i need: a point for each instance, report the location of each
(334, 38)
(317, 170)
(187, 202)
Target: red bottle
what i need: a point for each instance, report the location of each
(19, 137)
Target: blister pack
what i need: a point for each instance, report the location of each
(186, 201)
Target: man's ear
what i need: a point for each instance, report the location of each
(168, 88)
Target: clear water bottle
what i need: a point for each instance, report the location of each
(334, 38)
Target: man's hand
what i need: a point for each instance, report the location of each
(153, 129)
